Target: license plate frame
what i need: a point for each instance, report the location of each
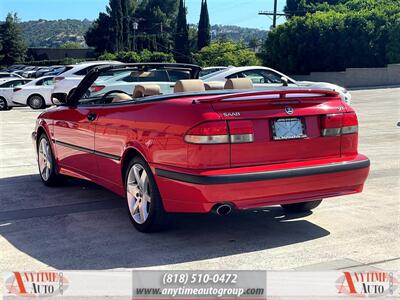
(293, 129)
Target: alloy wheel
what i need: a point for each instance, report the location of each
(45, 160)
(138, 193)
(36, 102)
(2, 104)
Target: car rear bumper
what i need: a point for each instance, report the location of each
(258, 186)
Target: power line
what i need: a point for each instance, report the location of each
(275, 14)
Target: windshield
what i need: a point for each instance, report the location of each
(124, 81)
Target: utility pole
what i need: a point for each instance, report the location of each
(275, 14)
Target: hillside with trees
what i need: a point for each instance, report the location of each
(56, 33)
(52, 34)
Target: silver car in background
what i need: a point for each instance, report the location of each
(266, 77)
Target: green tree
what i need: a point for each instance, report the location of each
(355, 33)
(204, 31)
(393, 45)
(14, 48)
(100, 35)
(157, 19)
(71, 45)
(182, 47)
(226, 54)
(115, 12)
(301, 7)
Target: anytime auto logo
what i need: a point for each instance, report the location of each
(35, 284)
(367, 284)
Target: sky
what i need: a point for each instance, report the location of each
(242, 13)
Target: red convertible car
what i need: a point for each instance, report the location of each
(200, 147)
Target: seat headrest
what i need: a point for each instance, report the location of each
(189, 85)
(214, 85)
(145, 90)
(239, 84)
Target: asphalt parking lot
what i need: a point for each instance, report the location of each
(82, 226)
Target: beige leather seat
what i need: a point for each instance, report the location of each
(120, 97)
(239, 84)
(145, 90)
(140, 91)
(214, 85)
(189, 85)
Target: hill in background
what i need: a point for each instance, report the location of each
(54, 33)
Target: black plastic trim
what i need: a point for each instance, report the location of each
(268, 175)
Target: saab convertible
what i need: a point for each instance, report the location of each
(189, 147)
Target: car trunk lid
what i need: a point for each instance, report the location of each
(286, 125)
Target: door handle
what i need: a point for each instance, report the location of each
(91, 116)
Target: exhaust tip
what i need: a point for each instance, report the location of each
(223, 209)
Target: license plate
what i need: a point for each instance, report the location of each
(288, 129)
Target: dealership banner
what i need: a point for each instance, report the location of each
(148, 285)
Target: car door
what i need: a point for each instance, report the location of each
(73, 133)
(45, 88)
(7, 89)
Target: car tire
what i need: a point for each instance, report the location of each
(36, 102)
(301, 207)
(143, 199)
(3, 104)
(47, 163)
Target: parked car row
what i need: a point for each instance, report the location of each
(34, 71)
(16, 90)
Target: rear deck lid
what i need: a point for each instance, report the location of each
(286, 124)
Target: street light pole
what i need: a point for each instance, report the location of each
(135, 27)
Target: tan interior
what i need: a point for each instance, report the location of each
(120, 97)
(145, 90)
(214, 85)
(239, 84)
(140, 91)
(189, 85)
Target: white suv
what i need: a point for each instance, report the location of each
(70, 79)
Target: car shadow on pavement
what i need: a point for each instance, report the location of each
(83, 226)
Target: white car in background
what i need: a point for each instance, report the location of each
(7, 92)
(35, 94)
(126, 81)
(70, 79)
(5, 76)
(266, 77)
(209, 70)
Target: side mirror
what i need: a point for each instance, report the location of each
(285, 81)
(59, 98)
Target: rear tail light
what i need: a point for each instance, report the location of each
(241, 132)
(96, 88)
(17, 89)
(350, 123)
(208, 133)
(218, 133)
(338, 124)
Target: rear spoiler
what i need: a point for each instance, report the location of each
(278, 95)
